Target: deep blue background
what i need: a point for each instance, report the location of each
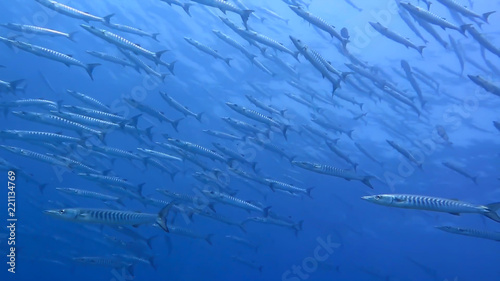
(377, 243)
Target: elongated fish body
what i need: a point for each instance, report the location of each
(222, 135)
(244, 127)
(56, 56)
(116, 152)
(341, 154)
(179, 107)
(331, 126)
(110, 180)
(159, 154)
(97, 114)
(482, 40)
(11, 86)
(233, 43)
(59, 122)
(153, 112)
(332, 171)
(274, 184)
(471, 232)
(395, 37)
(189, 233)
(76, 166)
(88, 194)
(367, 154)
(328, 66)
(459, 170)
(435, 204)
(89, 100)
(402, 99)
(225, 6)
(87, 120)
(207, 50)
(123, 43)
(131, 30)
(197, 149)
(319, 22)
(405, 153)
(262, 67)
(112, 217)
(264, 106)
(252, 114)
(39, 136)
(431, 18)
(457, 50)
(34, 155)
(71, 12)
(428, 27)
(233, 201)
(403, 13)
(221, 218)
(409, 75)
(260, 38)
(113, 262)
(111, 58)
(453, 5)
(31, 29)
(139, 64)
(279, 222)
(39, 103)
(488, 86)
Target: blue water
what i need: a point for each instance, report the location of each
(371, 242)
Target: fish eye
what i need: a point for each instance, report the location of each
(62, 211)
(378, 197)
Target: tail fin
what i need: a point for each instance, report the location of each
(71, 35)
(420, 49)
(107, 18)
(162, 216)
(102, 137)
(296, 55)
(228, 60)
(163, 76)
(350, 134)
(148, 133)
(355, 166)
(133, 120)
(171, 67)
(284, 129)
(463, 28)
(344, 75)
(492, 211)
(158, 54)
(186, 6)
(282, 112)
(154, 36)
(366, 181)
(198, 116)
(486, 15)
(176, 123)
(14, 85)
(245, 15)
(309, 191)
(90, 68)
(209, 239)
(474, 179)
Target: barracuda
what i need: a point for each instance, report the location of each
(34, 155)
(435, 204)
(207, 50)
(320, 23)
(341, 154)
(197, 149)
(245, 127)
(111, 58)
(223, 135)
(87, 120)
(40, 136)
(409, 75)
(101, 115)
(252, 114)
(112, 217)
(139, 64)
(153, 112)
(459, 170)
(121, 42)
(158, 154)
(273, 148)
(89, 194)
(130, 29)
(179, 107)
(234, 155)
(431, 18)
(332, 171)
(453, 5)
(72, 12)
(225, 6)
(11, 86)
(483, 41)
(235, 44)
(30, 29)
(471, 232)
(184, 6)
(40, 103)
(55, 56)
(191, 234)
(89, 100)
(110, 180)
(265, 107)
(274, 184)
(405, 153)
(58, 121)
(233, 201)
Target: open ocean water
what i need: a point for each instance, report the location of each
(249, 161)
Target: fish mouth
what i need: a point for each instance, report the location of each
(50, 212)
(368, 198)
